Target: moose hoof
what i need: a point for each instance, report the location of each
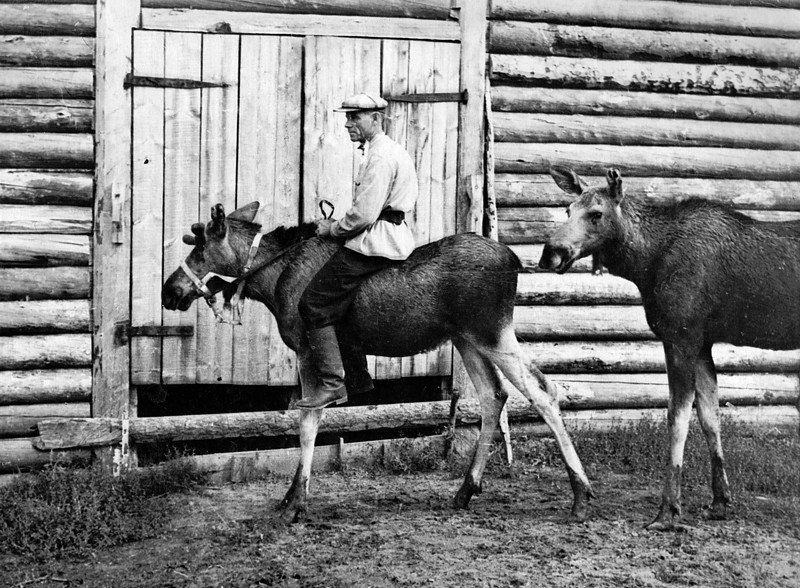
(464, 494)
(717, 511)
(580, 509)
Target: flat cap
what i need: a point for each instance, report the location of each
(362, 102)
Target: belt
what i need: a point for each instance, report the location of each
(395, 217)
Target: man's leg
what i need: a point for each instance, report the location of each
(325, 301)
(356, 374)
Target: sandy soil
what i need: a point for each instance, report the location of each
(379, 530)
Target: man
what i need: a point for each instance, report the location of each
(376, 237)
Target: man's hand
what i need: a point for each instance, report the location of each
(324, 227)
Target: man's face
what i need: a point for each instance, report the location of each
(362, 126)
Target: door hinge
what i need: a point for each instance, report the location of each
(461, 97)
(154, 82)
(123, 331)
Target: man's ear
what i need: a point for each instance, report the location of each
(245, 213)
(614, 179)
(567, 180)
(217, 226)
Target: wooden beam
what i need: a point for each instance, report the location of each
(22, 283)
(575, 288)
(420, 9)
(646, 76)
(526, 38)
(45, 386)
(41, 19)
(585, 323)
(35, 352)
(635, 357)
(614, 103)
(47, 82)
(682, 162)
(20, 420)
(65, 220)
(512, 127)
(44, 316)
(47, 150)
(653, 14)
(19, 455)
(46, 116)
(519, 190)
(111, 271)
(43, 250)
(49, 51)
(213, 21)
(18, 186)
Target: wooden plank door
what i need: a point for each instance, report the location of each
(193, 148)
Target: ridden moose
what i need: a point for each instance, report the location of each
(460, 288)
(706, 274)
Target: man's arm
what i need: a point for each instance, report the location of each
(370, 198)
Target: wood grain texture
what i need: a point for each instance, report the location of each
(21, 186)
(45, 386)
(43, 19)
(20, 420)
(587, 323)
(19, 455)
(422, 9)
(44, 250)
(49, 51)
(34, 352)
(65, 220)
(27, 317)
(47, 82)
(46, 116)
(44, 283)
(47, 150)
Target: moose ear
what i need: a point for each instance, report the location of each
(614, 179)
(567, 180)
(245, 213)
(217, 225)
(190, 240)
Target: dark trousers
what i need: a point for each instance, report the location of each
(330, 293)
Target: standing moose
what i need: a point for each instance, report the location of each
(706, 274)
(460, 288)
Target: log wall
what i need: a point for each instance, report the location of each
(46, 195)
(687, 99)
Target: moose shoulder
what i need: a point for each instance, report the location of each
(706, 274)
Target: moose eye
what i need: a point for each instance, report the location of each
(595, 217)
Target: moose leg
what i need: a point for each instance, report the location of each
(295, 502)
(492, 398)
(681, 365)
(544, 398)
(707, 402)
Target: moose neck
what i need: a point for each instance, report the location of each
(261, 285)
(632, 252)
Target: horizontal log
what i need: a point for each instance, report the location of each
(65, 220)
(22, 186)
(613, 103)
(601, 323)
(514, 37)
(50, 51)
(214, 21)
(764, 3)
(546, 288)
(78, 432)
(47, 150)
(44, 316)
(529, 255)
(45, 283)
(511, 127)
(19, 455)
(433, 9)
(20, 420)
(47, 82)
(645, 76)
(41, 19)
(601, 357)
(34, 352)
(46, 116)
(535, 225)
(653, 14)
(682, 162)
(519, 190)
(45, 386)
(43, 250)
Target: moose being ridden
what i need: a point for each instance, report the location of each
(706, 274)
(461, 288)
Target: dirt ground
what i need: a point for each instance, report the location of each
(374, 530)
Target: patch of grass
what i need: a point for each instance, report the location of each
(69, 511)
(408, 456)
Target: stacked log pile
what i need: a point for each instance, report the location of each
(46, 193)
(686, 99)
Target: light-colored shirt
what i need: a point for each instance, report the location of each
(386, 179)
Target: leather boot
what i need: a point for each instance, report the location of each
(356, 375)
(327, 361)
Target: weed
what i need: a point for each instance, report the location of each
(69, 511)
(407, 456)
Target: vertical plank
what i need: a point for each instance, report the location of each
(148, 191)
(218, 141)
(111, 268)
(268, 171)
(395, 82)
(182, 53)
(419, 144)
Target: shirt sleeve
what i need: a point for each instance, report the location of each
(371, 195)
